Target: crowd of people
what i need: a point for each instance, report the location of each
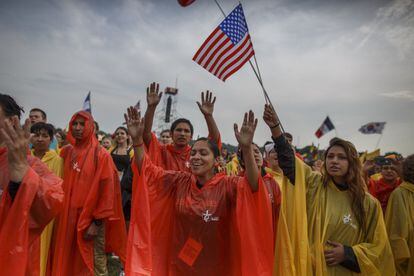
(73, 199)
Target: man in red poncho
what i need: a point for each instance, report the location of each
(92, 222)
(175, 156)
(30, 195)
(386, 184)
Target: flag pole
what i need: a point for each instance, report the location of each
(379, 139)
(258, 76)
(257, 73)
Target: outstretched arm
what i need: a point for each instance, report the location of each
(285, 154)
(135, 126)
(207, 107)
(153, 99)
(245, 139)
(272, 120)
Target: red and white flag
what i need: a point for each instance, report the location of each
(228, 47)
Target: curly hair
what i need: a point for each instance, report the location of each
(408, 169)
(354, 178)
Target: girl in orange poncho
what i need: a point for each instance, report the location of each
(200, 222)
(30, 195)
(272, 187)
(92, 222)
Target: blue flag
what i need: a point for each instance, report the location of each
(87, 106)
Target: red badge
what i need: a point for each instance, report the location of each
(190, 251)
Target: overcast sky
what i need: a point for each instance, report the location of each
(351, 60)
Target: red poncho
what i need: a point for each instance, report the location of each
(92, 189)
(382, 190)
(37, 202)
(179, 229)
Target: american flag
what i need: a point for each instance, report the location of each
(228, 47)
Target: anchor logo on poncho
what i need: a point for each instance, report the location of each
(348, 220)
(208, 217)
(76, 167)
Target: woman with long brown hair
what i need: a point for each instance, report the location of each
(346, 230)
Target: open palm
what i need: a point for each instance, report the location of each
(153, 94)
(135, 124)
(246, 133)
(207, 104)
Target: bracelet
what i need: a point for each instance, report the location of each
(276, 125)
(138, 145)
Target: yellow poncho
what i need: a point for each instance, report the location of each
(400, 225)
(55, 163)
(292, 256)
(329, 216)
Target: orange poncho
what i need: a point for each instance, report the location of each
(92, 191)
(37, 202)
(179, 229)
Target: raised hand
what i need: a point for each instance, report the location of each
(16, 140)
(153, 94)
(207, 104)
(246, 133)
(135, 125)
(269, 116)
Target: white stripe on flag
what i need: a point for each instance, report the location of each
(224, 47)
(232, 51)
(237, 53)
(200, 55)
(238, 64)
(221, 40)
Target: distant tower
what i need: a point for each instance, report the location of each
(168, 113)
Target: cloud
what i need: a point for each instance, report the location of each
(394, 24)
(53, 52)
(405, 95)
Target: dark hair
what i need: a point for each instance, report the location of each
(211, 145)
(288, 135)
(126, 131)
(165, 130)
(240, 154)
(36, 128)
(39, 110)
(354, 178)
(9, 106)
(62, 133)
(96, 126)
(123, 128)
(179, 121)
(408, 169)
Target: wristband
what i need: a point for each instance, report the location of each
(276, 125)
(138, 145)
